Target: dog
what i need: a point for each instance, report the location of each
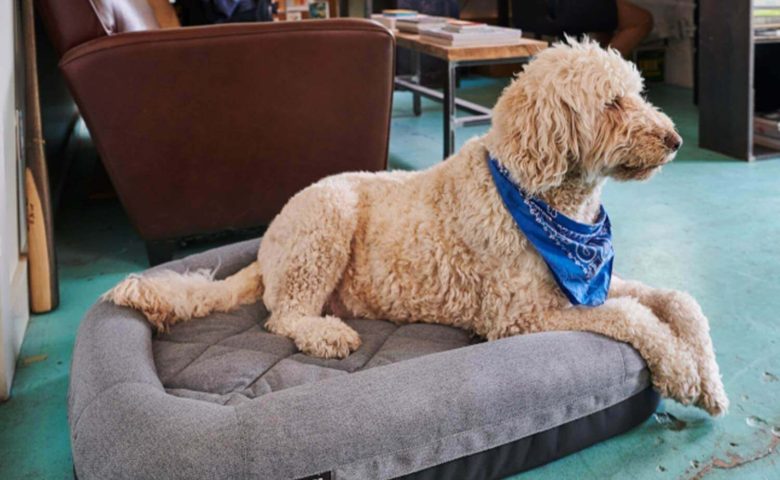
(438, 246)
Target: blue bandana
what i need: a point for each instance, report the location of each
(578, 255)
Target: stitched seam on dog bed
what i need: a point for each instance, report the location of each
(190, 362)
(358, 368)
(238, 349)
(482, 427)
(263, 374)
(100, 394)
(170, 391)
(280, 359)
(241, 332)
(404, 332)
(343, 372)
(623, 375)
(376, 352)
(244, 443)
(181, 343)
(237, 334)
(217, 355)
(230, 347)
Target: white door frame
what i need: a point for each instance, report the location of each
(14, 310)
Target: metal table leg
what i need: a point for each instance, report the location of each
(480, 115)
(449, 109)
(417, 69)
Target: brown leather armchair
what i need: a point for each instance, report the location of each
(205, 129)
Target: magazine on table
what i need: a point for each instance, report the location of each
(482, 36)
(399, 13)
(768, 142)
(460, 26)
(765, 17)
(419, 23)
(767, 124)
(768, 32)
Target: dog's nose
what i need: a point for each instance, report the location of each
(673, 141)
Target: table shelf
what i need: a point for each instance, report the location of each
(766, 40)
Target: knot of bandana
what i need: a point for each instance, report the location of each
(579, 255)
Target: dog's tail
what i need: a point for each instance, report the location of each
(168, 297)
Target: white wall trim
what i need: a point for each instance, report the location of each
(14, 310)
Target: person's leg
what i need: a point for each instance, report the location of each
(634, 24)
(604, 38)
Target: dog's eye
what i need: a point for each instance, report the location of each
(614, 104)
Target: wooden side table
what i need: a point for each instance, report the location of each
(457, 57)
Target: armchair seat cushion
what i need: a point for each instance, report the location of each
(220, 397)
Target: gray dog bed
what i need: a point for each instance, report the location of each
(221, 398)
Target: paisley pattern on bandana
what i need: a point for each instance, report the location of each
(578, 255)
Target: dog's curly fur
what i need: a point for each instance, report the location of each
(438, 245)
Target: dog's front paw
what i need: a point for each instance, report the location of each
(327, 337)
(677, 377)
(685, 390)
(713, 398)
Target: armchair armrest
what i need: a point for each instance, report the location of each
(210, 128)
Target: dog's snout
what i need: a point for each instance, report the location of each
(673, 141)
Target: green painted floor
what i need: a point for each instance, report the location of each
(707, 224)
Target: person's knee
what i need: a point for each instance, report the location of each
(644, 21)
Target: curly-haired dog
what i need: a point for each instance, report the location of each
(439, 246)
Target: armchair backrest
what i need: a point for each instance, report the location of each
(73, 22)
(210, 128)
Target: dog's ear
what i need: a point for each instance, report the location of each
(533, 135)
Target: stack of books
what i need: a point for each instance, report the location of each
(459, 33)
(767, 32)
(766, 130)
(408, 20)
(766, 17)
(418, 23)
(399, 13)
(388, 18)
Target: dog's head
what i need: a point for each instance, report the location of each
(578, 109)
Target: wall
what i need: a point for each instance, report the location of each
(13, 267)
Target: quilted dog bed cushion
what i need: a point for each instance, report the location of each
(220, 397)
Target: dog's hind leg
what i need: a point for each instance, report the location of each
(684, 316)
(168, 297)
(303, 256)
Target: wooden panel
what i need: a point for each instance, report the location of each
(526, 48)
(726, 77)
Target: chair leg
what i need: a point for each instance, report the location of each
(160, 251)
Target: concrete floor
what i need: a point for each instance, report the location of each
(707, 224)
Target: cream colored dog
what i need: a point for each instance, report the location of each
(438, 245)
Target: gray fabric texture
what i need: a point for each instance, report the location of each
(220, 397)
